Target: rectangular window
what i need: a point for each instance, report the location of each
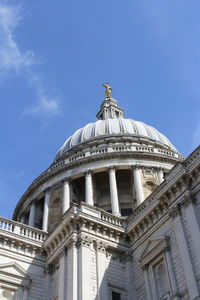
(116, 296)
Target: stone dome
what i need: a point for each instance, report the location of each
(114, 127)
(113, 164)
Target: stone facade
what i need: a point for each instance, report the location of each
(115, 217)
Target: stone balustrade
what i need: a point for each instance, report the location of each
(111, 219)
(100, 214)
(103, 150)
(21, 230)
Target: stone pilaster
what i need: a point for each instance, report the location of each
(175, 213)
(61, 275)
(72, 270)
(101, 267)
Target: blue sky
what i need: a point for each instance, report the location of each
(54, 57)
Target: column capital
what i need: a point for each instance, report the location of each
(112, 168)
(85, 240)
(65, 179)
(72, 242)
(88, 172)
(47, 189)
(159, 169)
(136, 167)
(33, 202)
(100, 246)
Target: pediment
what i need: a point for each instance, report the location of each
(14, 270)
(153, 248)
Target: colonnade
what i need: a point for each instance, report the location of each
(89, 199)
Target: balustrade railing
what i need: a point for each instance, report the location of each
(111, 219)
(22, 230)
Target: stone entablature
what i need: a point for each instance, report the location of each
(91, 221)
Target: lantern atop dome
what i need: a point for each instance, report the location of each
(109, 108)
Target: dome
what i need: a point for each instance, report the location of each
(114, 127)
(113, 164)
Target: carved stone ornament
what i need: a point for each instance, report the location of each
(85, 240)
(174, 211)
(72, 242)
(186, 200)
(100, 246)
(47, 189)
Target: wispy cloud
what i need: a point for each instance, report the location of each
(13, 59)
(47, 103)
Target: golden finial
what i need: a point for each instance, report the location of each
(108, 91)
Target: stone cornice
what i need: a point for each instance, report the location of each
(84, 224)
(153, 249)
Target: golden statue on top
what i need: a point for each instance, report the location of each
(108, 91)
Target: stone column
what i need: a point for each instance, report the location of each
(25, 294)
(31, 221)
(46, 210)
(138, 185)
(113, 192)
(88, 188)
(160, 175)
(66, 196)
